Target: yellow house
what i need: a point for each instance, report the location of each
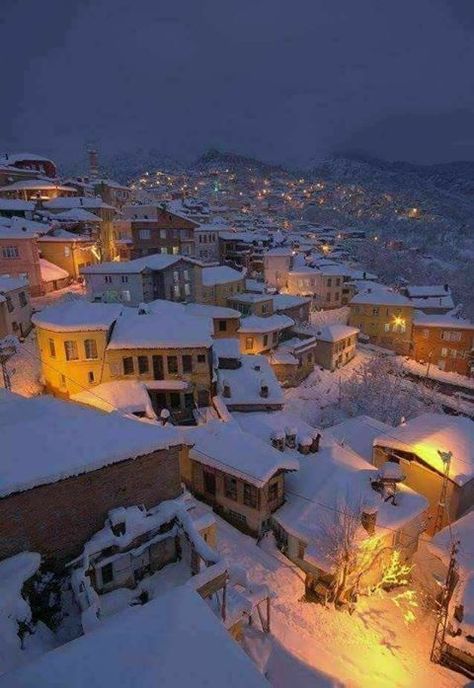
(214, 285)
(72, 339)
(83, 345)
(385, 317)
(71, 253)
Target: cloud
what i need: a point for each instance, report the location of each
(283, 81)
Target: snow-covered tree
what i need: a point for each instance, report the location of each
(379, 388)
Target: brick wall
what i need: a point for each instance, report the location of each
(57, 519)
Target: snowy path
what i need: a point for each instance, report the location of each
(318, 647)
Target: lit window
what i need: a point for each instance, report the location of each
(249, 342)
(90, 348)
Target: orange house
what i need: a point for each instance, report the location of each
(444, 341)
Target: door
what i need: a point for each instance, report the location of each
(210, 483)
(157, 367)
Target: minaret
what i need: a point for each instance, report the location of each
(93, 162)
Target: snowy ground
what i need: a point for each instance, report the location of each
(24, 368)
(436, 374)
(311, 646)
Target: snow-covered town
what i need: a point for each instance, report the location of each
(236, 415)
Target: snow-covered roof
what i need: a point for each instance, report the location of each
(12, 158)
(254, 285)
(8, 283)
(414, 291)
(432, 432)
(448, 321)
(210, 311)
(40, 184)
(255, 323)
(332, 481)
(441, 302)
(279, 251)
(156, 261)
(358, 434)
(161, 328)
(220, 274)
(382, 297)
(20, 228)
(245, 383)
(63, 235)
(248, 297)
(79, 440)
(227, 347)
(67, 202)
(462, 530)
(77, 316)
(128, 396)
(51, 272)
(226, 447)
(77, 215)
(284, 301)
(174, 641)
(16, 204)
(336, 332)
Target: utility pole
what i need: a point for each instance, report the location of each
(440, 631)
(441, 510)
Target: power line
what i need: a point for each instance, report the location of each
(223, 463)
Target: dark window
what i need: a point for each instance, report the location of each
(273, 491)
(250, 495)
(201, 358)
(275, 337)
(189, 400)
(209, 483)
(142, 364)
(172, 364)
(230, 487)
(90, 376)
(265, 339)
(187, 364)
(23, 299)
(107, 574)
(175, 401)
(128, 365)
(222, 325)
(10, 305)
(52, 348)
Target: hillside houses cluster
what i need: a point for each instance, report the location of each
(164, 408)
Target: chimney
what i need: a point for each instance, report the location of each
(304, 445)
(315, 439)
(164, 416)
(226, 389)
(263, 389)
(278, 440)
(290, 437)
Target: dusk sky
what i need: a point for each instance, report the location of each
(287, 81)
